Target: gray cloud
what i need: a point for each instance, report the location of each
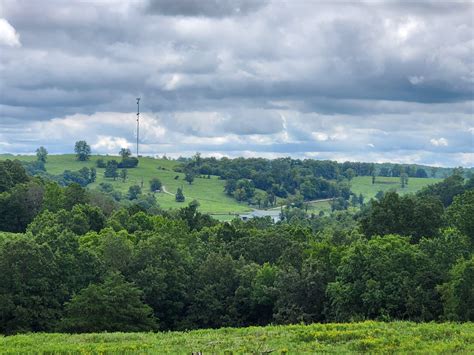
(275, 77)
(206, 8)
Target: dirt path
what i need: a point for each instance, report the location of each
(163, 188)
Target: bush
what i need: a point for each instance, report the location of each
(128, 163)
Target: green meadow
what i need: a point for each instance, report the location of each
(209, 192)
(363, 185)
(373, 337)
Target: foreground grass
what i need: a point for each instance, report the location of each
(404, 337)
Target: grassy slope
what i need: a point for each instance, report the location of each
(209, 192)
(363, 185)
(334, 338)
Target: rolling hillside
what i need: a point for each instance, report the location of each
(209, 192)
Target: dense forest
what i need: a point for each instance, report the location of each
(76, 260)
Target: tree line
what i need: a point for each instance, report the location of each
(74, 260)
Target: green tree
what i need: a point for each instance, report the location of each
(19, 206)
(261, 198)
(53, 198)
(445, 190)
(405, 215)
(125, 153)
(11, 174)
(82, 150)
(111, 169)
(189, 177)
(93, 175)
(461, 213)
(179, 195)
(74, 194)
(155, 185)
(350, 174)
(458, 292)
(133, 192)
(162, 267)
(41, 154)
(29, 291)
(124, 174)
(114, 305)
(382, 277)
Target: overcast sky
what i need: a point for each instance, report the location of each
(369, 81)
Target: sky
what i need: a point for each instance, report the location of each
(372, 81)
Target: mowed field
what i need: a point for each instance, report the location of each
(209, 192)
(374, 337)
(363, 185)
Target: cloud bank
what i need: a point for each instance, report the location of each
(368, 81)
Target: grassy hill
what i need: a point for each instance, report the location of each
(209, 192)
(375, 337)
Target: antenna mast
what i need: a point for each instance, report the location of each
(138, 123)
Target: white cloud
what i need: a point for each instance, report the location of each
(416, 80)
(8, 35)
(320, 136)
(440, 142)
(110, 144)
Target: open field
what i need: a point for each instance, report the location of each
(209, 192)
(363, 185)
(368, 336)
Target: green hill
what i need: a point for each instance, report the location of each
(375, 337)
(209, 192)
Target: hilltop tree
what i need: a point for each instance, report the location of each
(82, 150)
(41, 154)
(125, 153)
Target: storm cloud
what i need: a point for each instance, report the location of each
(331, 80)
